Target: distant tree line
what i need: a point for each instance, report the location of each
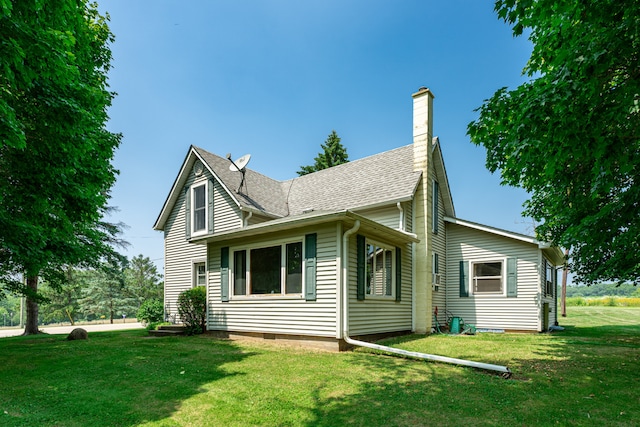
(603, 289)
(105, 293)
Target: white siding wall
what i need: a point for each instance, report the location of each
(373, 316)
(439, 246)
(226, 213)
(279, 314)
(495, 312)
(179, 253)
(179, 256)
(387, 215)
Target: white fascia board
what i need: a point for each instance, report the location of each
(237, 202)
(173, 195)
(313, 218)
(492, 230)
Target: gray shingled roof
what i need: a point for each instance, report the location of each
(375, 180)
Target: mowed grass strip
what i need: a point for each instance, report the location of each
(586, 375)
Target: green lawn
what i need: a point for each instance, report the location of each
(586, 375)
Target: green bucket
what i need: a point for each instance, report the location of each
(455, 325)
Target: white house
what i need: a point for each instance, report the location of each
(369, 247)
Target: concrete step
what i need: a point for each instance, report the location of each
(164, 331)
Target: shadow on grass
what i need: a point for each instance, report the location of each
(114, 378)
(583, 377)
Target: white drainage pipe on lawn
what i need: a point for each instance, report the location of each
(487, 366)
(506, 373)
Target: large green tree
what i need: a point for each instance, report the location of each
(105, 294)
(55, 152)
(570, 136)
(61, 304)
(333, 154)
(143, 281)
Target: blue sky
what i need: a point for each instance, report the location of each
(274, 78)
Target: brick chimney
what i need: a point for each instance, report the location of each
(422, 137)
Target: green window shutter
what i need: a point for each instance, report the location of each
(464, 279)
(360, 266)
(436, 262)
(310, 249)
(210, 206)
(224, 274)
(398, 274)
(512, 277)
(187, 212)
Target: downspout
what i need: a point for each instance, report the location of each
(245, 221)
(401, 224)
(506, 373)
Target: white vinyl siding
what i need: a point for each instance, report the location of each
(226, 214)
(438, 245)
(493, 311)
(179, 254)
(280, 314)
(388, 215)
(375, 315)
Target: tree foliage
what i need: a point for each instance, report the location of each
(151, 311)
(571, 135)
(143, 281)
(62, 304)
(55, 152)
(333, 154)
(105, 294)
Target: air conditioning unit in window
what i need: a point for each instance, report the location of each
(435, 281)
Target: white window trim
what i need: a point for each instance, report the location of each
(283, 270)
(194, 272)
(436, 277)
(391, 248)
(503, 278)
(195, 185)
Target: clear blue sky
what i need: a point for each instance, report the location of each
(273, 78)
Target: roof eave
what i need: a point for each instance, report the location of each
(306, 220)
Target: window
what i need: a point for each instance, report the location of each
(379, 270)
(199, 210)
(273, 270)
(487, 277)
(550, 278)
(199, 274)
(435, 281)
(434, 205)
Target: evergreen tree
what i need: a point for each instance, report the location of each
(105, 294)
(143, 281)
(333, 154)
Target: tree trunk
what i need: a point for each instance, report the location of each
(70, 317)
(563, 294)
(31, 325)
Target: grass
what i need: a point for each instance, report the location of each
(608, 301)
(585, 375)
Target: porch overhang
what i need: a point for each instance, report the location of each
(348, 218)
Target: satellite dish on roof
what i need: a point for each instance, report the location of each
(240, 163)
(240, 166)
